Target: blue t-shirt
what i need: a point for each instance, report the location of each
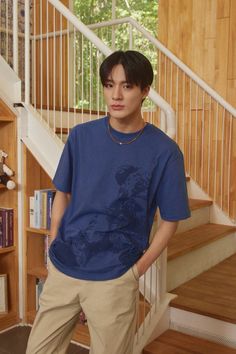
(115, 191)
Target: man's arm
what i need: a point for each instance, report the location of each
(159, 242)
(60, 204)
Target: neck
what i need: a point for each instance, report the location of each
(127, 125)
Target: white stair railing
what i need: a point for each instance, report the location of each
(65, 84)
(205, 122)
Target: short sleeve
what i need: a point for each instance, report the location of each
(172, 197)
(63, 176)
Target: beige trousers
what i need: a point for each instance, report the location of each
(110, 307)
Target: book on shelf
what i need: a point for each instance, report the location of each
(3, 294)
(50, 198)
(43, 210)
(31, 211)
(6, 227)
(37, 208)
(40, 208)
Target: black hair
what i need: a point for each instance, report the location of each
(138, 69)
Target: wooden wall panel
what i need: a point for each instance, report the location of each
(231, 90)
(223, 8)
(220, 81)
(232, 43)
(198, 22)
(202, 33)
(233, 172)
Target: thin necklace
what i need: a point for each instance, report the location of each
(124, 142)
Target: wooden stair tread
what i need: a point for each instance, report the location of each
(173, 342)
(163, 348)
(212, 293)
(6, 119)
(62, 131)
(195, 204)
(190, 240)
(81, 334)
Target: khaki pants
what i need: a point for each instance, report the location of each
(110, 307)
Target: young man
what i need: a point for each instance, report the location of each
(112, 176)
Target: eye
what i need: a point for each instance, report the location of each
(127, 86)
(108, 85)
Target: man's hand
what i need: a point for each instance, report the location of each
(160, 240)
(82, 317)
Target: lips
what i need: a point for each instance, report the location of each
(117, 107)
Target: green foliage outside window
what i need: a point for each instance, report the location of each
(145, 12)
(93, 11)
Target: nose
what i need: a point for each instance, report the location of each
(117, 93)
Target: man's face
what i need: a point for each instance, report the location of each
(123, 99)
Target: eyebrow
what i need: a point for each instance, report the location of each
(122, 82)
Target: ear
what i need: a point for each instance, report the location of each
(145, 91)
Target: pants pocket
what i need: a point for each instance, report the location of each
(135, 272)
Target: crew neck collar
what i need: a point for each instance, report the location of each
(124, 134)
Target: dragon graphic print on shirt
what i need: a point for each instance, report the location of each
(115, 229)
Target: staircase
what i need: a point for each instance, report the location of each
(178, 301)
(201, 273)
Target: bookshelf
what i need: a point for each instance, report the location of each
(8, 199)
(34, 178)
(37, 178)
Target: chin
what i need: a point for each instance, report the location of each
(123, 118)
(117, 115)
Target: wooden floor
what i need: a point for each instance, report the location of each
(14, 341)
(172, 342)
(212, 293)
